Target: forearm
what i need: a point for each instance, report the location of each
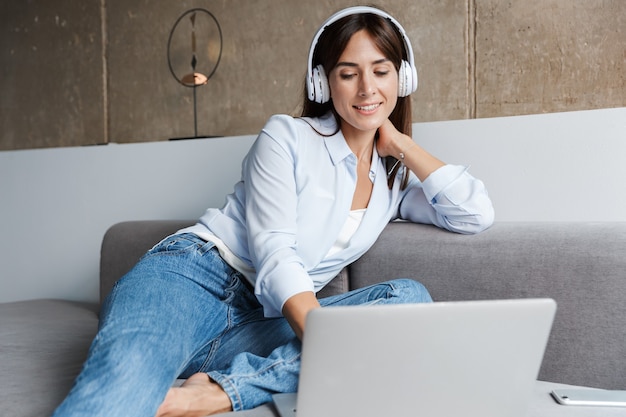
(415, 158)
(296, 309)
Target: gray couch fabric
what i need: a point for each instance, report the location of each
(581, 265)
(43, 344)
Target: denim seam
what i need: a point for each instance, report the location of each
(215, 345)
(229, 326)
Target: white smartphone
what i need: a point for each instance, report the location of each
(593, 397)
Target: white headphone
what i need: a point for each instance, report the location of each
(317, 82)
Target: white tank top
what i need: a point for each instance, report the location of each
(349, 229)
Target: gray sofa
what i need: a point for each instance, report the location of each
(581, 265)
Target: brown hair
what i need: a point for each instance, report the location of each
(331, 44)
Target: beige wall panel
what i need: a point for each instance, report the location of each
(64, 85)
(541, 56)
(438, 31)
(50, 74)
(72, 75)
(255, 77)
(264, 58)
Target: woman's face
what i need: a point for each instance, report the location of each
(363, 86)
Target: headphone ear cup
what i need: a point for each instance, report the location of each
(320, 85)
(407, 79)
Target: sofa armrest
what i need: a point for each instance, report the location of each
(125, 243)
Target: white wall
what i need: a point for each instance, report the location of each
(56, 204)
(550, 167)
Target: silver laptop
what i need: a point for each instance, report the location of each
(446, 359)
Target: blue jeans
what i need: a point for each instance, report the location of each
(183, 310)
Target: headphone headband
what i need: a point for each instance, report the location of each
(311, 78)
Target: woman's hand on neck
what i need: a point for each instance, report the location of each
(392, 142)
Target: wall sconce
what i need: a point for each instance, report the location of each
(194, 50)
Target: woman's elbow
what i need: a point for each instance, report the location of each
(485, 220)
(473, 223)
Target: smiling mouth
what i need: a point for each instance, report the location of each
(370, 107)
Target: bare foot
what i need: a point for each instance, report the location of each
(197, 397)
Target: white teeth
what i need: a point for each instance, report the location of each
(368, 108)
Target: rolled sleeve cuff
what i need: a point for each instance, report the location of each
(441, 179)
(274, 289)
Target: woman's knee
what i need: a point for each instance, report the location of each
(410, 291)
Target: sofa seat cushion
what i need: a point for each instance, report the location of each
(43, 344)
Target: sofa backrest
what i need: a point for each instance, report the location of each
(581, 265)
(125, 243)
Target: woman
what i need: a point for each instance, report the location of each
(223, 303)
